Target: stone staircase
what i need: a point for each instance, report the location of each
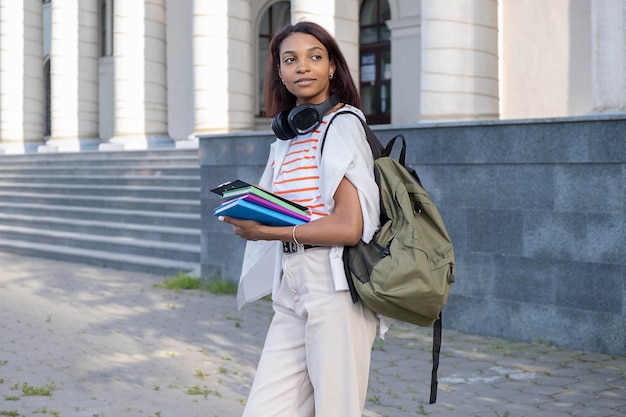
(131, 210)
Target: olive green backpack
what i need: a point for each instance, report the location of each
(406, 271)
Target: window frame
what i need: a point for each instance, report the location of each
(261, 61)
(379, 112)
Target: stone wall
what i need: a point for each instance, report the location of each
(536, 210)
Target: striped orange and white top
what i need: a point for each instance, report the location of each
(298, 178)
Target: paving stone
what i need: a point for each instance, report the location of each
(115, 345)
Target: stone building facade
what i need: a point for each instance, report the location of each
(130, 74)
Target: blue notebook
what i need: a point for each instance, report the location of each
(242, 209)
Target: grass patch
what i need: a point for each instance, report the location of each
(221, 287)
(214, 285)
(29, 390)
(180, 282)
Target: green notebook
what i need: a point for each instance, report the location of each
(236, 188)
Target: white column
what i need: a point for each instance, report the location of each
(459, 73)
(340, 18)
(156, 70)
(222, 66)
(21, 76)
(73, 76)
(608, 55)
(139, 76)
(180, 72)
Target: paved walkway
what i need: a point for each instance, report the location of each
(107, 343)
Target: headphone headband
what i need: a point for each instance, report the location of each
(302, 119)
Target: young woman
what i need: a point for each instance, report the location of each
(316, 357)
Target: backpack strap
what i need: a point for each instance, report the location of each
(377, 151)
(372, 140)
(437, 327)
(402, 157)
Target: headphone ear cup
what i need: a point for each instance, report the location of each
(281, 128)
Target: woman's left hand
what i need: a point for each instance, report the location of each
(246, 229)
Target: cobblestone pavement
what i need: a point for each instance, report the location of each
(82, 341)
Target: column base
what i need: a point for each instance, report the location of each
(136, 143)
(192, 142)
(18, 148)
(68, 145)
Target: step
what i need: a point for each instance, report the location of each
(130, 152)
(103, 230)
(113, 244)
(148, 155)
(185, 181)
(169, 219)
(81, 163)
(133, 210)
(122, 203)
(155, 172)
(173, 193)
(158, 266)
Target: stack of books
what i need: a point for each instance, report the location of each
(249, 202)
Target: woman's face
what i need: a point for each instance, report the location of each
(305, 68)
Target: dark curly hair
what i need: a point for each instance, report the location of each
(278, 98)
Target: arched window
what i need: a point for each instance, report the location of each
(375, 59)
(275, 18)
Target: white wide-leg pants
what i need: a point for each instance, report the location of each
(316, 358)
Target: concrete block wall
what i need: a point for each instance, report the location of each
(536, 210)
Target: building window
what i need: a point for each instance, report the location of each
(47, 98)
(277, 16)
(375, 61)
(106, 27)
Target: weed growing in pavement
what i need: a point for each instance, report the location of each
(214, 285)
(30, 390)
(392, 394)
(221, 287)
(45, 390)
(196, 390)
(180, 282)
(229, 317)
(45, 410)
(379, 345)
(9, 413)
(374, 399)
